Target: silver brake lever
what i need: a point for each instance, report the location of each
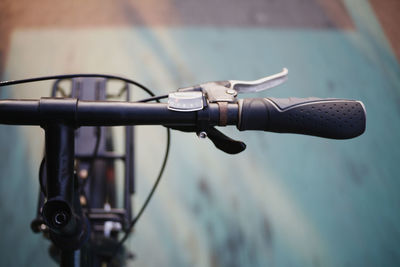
(260, 84)
(191, 98)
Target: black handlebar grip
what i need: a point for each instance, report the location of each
(329, 118)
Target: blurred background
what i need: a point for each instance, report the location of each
(287, 200)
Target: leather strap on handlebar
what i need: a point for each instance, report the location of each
(223, 113)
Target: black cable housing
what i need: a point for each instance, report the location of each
(70, 76)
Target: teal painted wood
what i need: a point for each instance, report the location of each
(287, 200)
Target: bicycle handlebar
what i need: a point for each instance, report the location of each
(329, 118)
(194, 109)
(105, 113)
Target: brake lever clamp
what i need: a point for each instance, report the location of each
(213, 91)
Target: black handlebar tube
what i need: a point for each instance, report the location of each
(109, 113)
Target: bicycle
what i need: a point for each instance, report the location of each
(79, 216)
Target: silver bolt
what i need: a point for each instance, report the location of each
(202, 135)
(60, 218)
(231, 92)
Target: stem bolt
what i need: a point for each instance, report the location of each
(202, 135)
(60, 218)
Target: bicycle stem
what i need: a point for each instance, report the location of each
(62, 212)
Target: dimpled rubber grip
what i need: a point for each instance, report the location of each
(329, 118)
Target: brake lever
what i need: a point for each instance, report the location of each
(220, 140)
(192, 98)
(225, 143)
(260, 84)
